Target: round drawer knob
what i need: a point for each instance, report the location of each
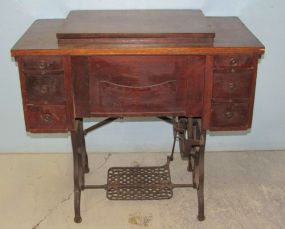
(229, 114)
(44, 89)
(234, 61)
(231, 86)
(42, 65)
(47, 117)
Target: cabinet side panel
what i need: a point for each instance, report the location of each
(253, 85)
(69, 93)
(23, 89)
(208, 91)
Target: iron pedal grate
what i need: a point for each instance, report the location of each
(139, 183)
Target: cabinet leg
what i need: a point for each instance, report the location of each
(83, 147)
(200, 188)
(77, 171)
(77, 197)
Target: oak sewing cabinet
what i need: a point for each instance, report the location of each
(195, 72)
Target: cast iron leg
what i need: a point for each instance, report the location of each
(76, 172)
(200, 188)
(83, 147)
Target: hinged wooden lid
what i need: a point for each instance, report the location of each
(154, 26)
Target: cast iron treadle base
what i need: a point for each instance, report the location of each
(139, 183)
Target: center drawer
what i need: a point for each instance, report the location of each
(127, 85)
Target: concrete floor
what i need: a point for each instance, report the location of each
(242, 190)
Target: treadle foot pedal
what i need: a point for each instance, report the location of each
(139, 183)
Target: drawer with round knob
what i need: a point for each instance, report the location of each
(47, 89)
(229, 84)
(233, 61)
(46, 118)
(230, 116)
(43, 64)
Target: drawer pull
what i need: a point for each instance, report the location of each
(231, 86)
(42, 65)
(138, 87)
(234, 61)
(47, 117)
(44, 89)
(229, 114)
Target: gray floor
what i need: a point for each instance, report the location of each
(242, 190)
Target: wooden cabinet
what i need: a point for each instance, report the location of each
(129, 71)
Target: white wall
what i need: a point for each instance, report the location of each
(264, 18)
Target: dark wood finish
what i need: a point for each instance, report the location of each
(201, 70)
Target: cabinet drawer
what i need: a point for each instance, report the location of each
(123, 98)
(46, 118)
(46, 89)
(43, 64)
(145, 85)
(232, 84)
(233, 61)
(229, 115)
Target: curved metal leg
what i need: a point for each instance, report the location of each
(200, 190)
(83, 147)
(197, 156)
(200, 177)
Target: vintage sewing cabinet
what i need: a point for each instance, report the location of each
(197, 73)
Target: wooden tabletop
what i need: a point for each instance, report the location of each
(231, 36)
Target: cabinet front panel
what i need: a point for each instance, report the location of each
(146, 85)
